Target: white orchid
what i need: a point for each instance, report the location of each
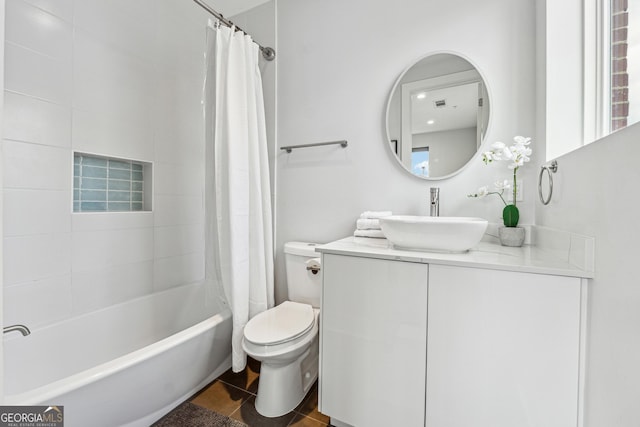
(502, 185)
(522, 140)
(517, 155)
(488, 157)
(484, 191)
(520, 152)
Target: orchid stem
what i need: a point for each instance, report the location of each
(500, 195)
(515, 186)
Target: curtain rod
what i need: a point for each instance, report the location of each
(268, 53)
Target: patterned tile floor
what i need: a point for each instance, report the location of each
(234, 395)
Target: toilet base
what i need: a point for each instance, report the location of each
(282, 387)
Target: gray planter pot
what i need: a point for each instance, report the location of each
(511, 236)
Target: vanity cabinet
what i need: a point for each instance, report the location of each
(374, 341)
(422, 344)
(503, 348)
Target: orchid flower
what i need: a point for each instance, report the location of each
(484, 191)
(516, 155)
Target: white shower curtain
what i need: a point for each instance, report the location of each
(239, 216)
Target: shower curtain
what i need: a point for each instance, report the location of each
(238, 201)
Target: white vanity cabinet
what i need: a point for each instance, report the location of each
(503, 348)
(418, 343)
(374, 341)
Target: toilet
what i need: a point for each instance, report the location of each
(285, 338)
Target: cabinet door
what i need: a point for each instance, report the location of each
(502, 349)
(373, 341)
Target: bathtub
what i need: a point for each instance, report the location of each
(126, 365)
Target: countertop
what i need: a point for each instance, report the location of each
(527, 259)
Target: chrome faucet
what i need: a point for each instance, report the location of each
(434, 203)
(19, 328)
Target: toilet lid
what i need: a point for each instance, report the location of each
(283, 323)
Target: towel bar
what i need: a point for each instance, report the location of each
(289, 148)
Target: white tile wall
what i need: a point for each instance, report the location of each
(182, 153)
(98, 288)
(37, 257)
(60, 8)
(179, 180)
(135, 22)
(31, 73)
(111, 221)
(24, 212)
(178, 210)
(96, 250)
(38, 30)
(30, 119)
(177, 240)
(36, 166)
(172, 271)
(121, 78)
(112, 81)
(95, 132)
(38, 303)
(178, 119)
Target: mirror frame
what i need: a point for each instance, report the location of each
(390, 97)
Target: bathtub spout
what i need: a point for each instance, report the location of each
(20, 328)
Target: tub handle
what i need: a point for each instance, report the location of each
(17, 328)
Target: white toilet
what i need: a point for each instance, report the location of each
(285, 338)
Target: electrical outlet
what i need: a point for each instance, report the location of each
(519, 193)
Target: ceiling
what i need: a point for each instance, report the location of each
(459, 109)
(228, 8)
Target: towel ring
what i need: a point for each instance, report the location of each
(553, 167)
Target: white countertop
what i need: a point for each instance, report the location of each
(527, 259)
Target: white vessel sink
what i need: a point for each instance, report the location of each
(429, 233)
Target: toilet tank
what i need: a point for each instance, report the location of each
(303, 285)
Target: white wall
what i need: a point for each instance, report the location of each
(121, 78)
(448, 150)
(337, 63)
(594, 194)
(2, 3)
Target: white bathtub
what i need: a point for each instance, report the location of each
(126, 365)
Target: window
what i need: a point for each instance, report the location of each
(616, 30)
(591, 70)
(624, 57)
(420, 161)
(104, 184)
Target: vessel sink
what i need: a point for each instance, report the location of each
(433, 233)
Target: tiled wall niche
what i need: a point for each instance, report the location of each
(109, 184)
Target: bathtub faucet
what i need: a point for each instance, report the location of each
(20, 328)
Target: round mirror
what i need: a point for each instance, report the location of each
(437, 115)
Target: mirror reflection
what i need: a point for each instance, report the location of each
(437, 115)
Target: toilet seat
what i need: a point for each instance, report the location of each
(281, 324)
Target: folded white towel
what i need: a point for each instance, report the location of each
(368, 224)
(376, 234)
(375, 214)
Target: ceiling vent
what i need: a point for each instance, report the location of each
(440, 103)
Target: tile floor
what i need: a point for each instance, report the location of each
(233, 395)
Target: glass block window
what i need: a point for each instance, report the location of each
(104, 184)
